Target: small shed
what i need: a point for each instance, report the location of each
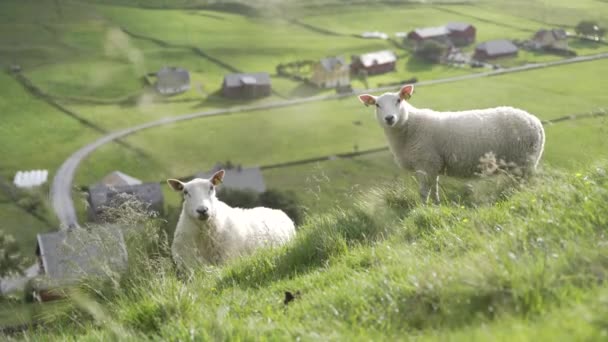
(550, 39)
(461, 33)
(331, 72)
(373, 63)
(115, 188)
(239, 178)
(246, 86)
(67, 256)
(494, 49)
(172, 80)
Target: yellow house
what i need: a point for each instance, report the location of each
(331, 72)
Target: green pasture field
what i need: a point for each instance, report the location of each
(72, 36)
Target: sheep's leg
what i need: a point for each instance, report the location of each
(428, 183)
(184, 251)
(435, 189)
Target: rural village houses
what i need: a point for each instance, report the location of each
(373, 63)
(172, 80)
(246, 86)
(331, 72)
(451, 34)
(553, 39)
(117, 187)
(239, 178)
(66, 256)
(495, 49)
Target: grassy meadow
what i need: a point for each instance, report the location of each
(496, 261)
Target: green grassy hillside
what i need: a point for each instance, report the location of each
(529, 265)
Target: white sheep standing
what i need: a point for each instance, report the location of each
(210, 232)
(433, 143)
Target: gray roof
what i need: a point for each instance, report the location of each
(497, 47)
(430, 32)
(101, 196)
(68, 255)
(172, 80)
(377, 57)
(238, 80)
(117, 178)
(239, 178)
(333, 63)
(457, 26)
(558, 34)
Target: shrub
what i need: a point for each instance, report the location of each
(11, 261)
(589, 28)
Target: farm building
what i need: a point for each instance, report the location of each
(374, 63)
(116, 188)
(117, 178)
(66, 256)
(239, 178)
(550, 39)
(454, 33)
(461, 33)
(331, 72)
(246, 86)
(420, 35)
(494, 49)
(172, 80)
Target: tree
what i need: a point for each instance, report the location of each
(11, 261)
(432, 50)
(589, 28)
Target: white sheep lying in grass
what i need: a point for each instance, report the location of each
(433, 143)
(210, 231)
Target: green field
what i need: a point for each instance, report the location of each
(371, 262)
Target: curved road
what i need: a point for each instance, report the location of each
(61, 188)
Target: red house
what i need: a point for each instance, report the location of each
(374, 63)
(420, 35)
(461, 33)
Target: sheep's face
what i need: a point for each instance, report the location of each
(388, 106)
(199, 195)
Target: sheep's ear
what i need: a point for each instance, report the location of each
(175, 184)
(218, 177)
(368, 100)
(406, 91)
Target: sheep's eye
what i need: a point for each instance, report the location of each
(398, 101)
(211, 189)
(377, 105)
(185, 192)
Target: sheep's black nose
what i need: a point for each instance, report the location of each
(202, 211)
(390, 119)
